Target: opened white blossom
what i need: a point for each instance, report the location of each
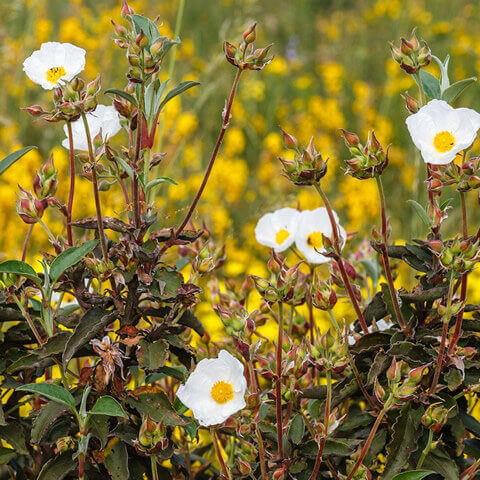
(104, 119)
(54, 64)
(312, 227)
(440, 131)
(215, 390)
(277, 230)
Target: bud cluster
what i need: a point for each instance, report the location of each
(145, 50)
(457, 255)
(465, 177)
(323, 294)
(331, 353)
(435, 417)
(287, 285)
(307, 166)
(411, 56)
(244, 56)
(151, 437)
(403, 382)
(367, 161)
(70, 100)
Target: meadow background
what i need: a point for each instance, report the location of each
(332, 69)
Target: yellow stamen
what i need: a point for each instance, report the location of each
(55, 73)
(443, 142)
(222, 392)
(315, 240)
(281, 236)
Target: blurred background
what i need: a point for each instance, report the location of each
(332, 69)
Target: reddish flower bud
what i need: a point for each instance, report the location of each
(249, 35)
(351, 139)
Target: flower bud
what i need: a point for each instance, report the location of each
(249, 35)
(126, 9)
(29, 208)
(142, 40)
(46, 180)
(411, 103)
(120, 30)
(435, 417)
(94, 86)
(35, 110)
(288, 140)
(351, 139)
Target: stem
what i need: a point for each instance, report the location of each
(326, 419)
(426, 450)
(72, 184)
(225, 471)
(171, 68)
(441, 351)
(47, 230)
(25, 243)
(368, 442)
(226, 118)
(135, 186)
(153, 461)
(278, 383)
(463, 289)
(96, 195)
(336, 241)
(81, 466)
(420, 88)
(29, 320)
(386, 261)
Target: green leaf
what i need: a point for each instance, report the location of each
(440, 462)
(180, 88)
(123, 94)
(159, 181)
(116, 459)
(152, 355)
(89, 326)
(147, 26)
(6, 454)
(454, 90)
(58, 467)
(9, 160)
(413, 475)
(125, 166)
(430, 84)
(51, 391)
(420, 211)
(445, 82)
(297, 429)
(45, 418)
(107, 405)
(404, 440)
(14, 434)
(16, 267)
(69, 258)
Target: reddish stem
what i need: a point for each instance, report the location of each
(135, 182)
(225, 471)
(72, 184)
(278, 383)
(441, 352)
(25, 243)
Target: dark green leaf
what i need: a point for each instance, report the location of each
(430, 84)
(90, 325)
(125, 166)
(439, 461)
(6, 454)
(107, 405)
(123, 94)
(335, 447)
(297, 429)
(17, 267)
(180, 88)
(454, 90)
(413, 475)
(58, 467)
(147, 26)
(116, 459)
(404, 440)
(98, 427)
(190, 320)
(152, 355)
(45, 418)
(420, 211)
(454, 378)
(9, 160)
(70, 257)
(14, 434)
(51, 391)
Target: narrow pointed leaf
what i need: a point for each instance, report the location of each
(430, 84)
(123, 94)
(50, 391)
(9, 160)
(454, 90)
(180, 88)
(413, 475)
(420, 211)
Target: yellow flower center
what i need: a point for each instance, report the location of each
(281, 236)
(55, 73)
(443, 142)
(222, 392)
(315, 240)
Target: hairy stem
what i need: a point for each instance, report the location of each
(386, 260)
(96, 195)
(72, 184)
(463, 289)
(426, 450)
(25, 243)
(153, 461)
(278, 382)
(138, 146)
(336, 242)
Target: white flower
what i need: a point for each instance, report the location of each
(103, 118)
(440, 131)
(215, 390)
(277, 230)
(54, 64)
(312, 226)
